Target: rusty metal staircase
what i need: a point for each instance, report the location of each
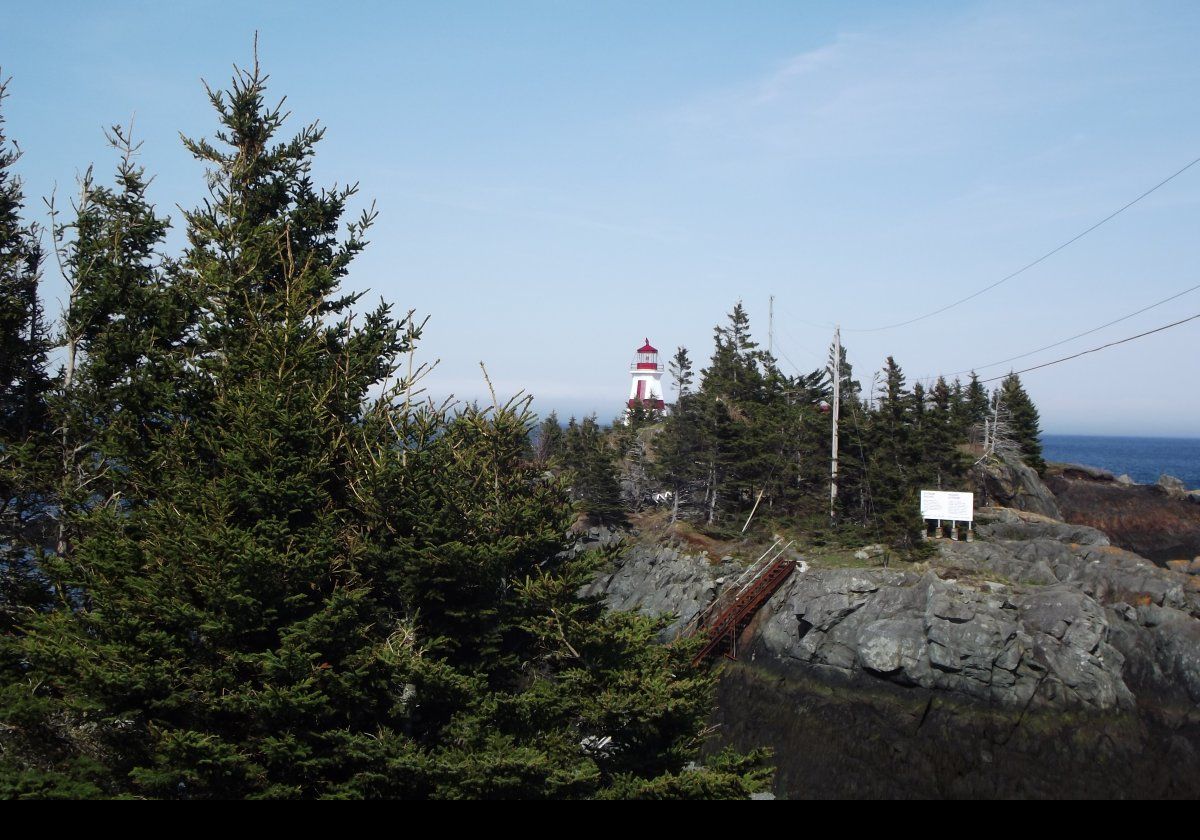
(725, 619)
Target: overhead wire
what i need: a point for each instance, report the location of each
(1065, 340)
(1031, 264)
(1096, 349)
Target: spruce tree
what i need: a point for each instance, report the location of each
(30, 749)
(122, 331)
(129, 325)
(23, 339)
(303, 592)
(1024, 421)
(733, 390)
(23, 385)
(225, 644)
(978, 405)
(546, 694)
(681, 464)
(680, 368)
(942, 437)
(549, 443)
(895, 464)
(591, 471)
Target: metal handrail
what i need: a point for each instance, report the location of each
(747, 603)
(752, 574)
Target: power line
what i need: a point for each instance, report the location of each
(1066, 340)
(819, 357)
(788, 359)
(1030, 265)
(799, 371)
(1096, 349)
(815, 324)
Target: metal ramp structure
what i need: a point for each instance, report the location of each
(727, 616)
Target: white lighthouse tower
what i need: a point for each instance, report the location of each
(646, 388)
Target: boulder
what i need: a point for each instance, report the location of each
(1084, 471)
(1172, 486)
(1008, 482)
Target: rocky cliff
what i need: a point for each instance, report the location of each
(1037, 660)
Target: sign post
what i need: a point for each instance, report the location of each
(942, 505)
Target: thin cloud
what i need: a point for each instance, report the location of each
(888, 94)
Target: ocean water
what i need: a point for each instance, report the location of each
(1144, 459)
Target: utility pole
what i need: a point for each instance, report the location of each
(771, 328)
(835, 369)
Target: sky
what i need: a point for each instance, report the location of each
(558, 181)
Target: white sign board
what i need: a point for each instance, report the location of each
(939, 504)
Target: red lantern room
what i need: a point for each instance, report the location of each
(647, 357)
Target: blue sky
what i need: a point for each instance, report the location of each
(559, 180)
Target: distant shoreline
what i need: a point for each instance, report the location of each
(1144, 459)
(1060, 435)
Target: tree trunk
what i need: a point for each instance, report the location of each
(712, 496)
(60, 546)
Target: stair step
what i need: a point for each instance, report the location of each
(738, 614)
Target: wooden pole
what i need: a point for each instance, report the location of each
(836, 371)
(751, 516)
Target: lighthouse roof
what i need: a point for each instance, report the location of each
(646, 348)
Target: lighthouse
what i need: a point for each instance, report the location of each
(646, 372)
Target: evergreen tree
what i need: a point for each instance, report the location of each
(1024, 421)
(544, 694)
(748, 434)
(681, 464)
(850, 387)
(958, 411)
(917, 408)
(23, 382)
(978, 404)
(895, 462)
(734, 370)
(733, 391)
(127, 329)
(680, 368)
(222, 645)
(23, 340)
(130, 323)
(294, 592)
(28, 746)
(591, 467)
(549, 440)
(942, 437)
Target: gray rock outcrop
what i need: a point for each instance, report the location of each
(1007, 482)
(660, 580)
(990, 643)
(1036, 661)
(1035, 612)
